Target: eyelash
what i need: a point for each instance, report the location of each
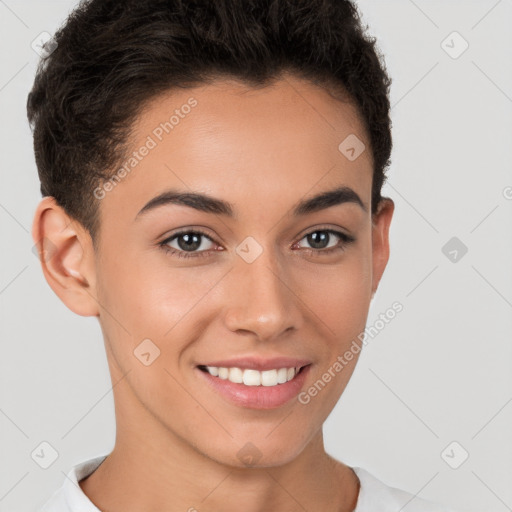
(345, 240)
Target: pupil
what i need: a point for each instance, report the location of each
(318, 239)
(192, 241)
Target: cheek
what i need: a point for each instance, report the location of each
(340, 295)
(148, 293)
(143, 298)
(340, 300)
(143, 316)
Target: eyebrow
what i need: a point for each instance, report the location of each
(208, 204)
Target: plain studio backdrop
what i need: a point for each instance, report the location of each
(429, 408)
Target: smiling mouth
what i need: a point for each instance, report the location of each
(251, 377)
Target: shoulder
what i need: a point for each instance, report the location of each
(376, 496)
(70, 497)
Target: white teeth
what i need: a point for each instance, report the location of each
(282, 374)
(251, 377)
(236, 375)
(269, 377)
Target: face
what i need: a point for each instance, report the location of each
(246, 273)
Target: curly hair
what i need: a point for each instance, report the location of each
(111, 58)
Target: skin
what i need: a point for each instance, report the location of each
(177, 440)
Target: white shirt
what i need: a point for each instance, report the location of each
(374, 495)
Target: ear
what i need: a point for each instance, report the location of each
(381, 221)
(67, 255)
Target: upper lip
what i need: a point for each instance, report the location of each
(258, 363)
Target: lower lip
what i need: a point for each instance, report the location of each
(257, 397)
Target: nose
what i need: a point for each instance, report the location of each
(262, 299)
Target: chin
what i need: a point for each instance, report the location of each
(259, 451)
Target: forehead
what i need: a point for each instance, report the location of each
(230, 140)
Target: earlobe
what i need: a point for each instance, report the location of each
(381, 222)
(67, 257)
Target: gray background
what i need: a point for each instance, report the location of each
(439, 372)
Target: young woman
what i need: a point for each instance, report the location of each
(211, 174)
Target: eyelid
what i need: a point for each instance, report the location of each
(191, 229)
(326, 227)
(186, 231)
